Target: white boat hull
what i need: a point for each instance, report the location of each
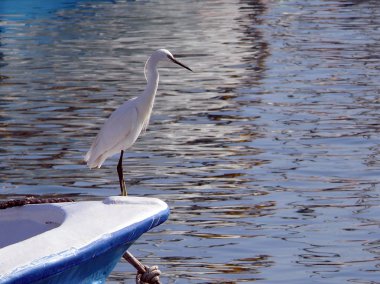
(78, 242)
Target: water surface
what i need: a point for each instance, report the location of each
(267, 154)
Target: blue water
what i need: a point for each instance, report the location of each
(268, 154)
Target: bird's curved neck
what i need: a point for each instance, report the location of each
(152, 77)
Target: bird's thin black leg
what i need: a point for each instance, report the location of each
(121, 176)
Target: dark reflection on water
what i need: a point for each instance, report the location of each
(267, 154)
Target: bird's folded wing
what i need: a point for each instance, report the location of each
(118, 133)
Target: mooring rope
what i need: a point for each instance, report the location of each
(32, 200)
(145, 274)
(150, 276)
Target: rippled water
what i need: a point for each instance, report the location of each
(268, 155)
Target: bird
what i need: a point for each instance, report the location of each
(125, 124)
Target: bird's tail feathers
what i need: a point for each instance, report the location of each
(91, 160)
(96, 160)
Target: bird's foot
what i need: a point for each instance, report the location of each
(123, 189)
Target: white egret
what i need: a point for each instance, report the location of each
(126, 123)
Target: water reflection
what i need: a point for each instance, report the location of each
(267, 154)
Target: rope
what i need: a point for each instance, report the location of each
(150, 276)
(145, 274)
(32, 200)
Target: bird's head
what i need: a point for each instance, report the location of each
(165, 55)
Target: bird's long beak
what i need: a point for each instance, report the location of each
(179, 63)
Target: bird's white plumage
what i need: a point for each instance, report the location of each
(119, 132)
(126, 123)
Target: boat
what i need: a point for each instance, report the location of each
(72, 242)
